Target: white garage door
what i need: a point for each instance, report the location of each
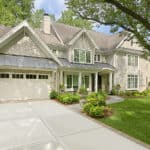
(21, 86)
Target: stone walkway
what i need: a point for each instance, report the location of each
(114, 99)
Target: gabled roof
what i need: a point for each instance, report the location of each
(24, 27)
(75, 38)
(66, 32)
(63, 34)
(101, 40)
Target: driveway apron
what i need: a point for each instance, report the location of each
(47, 125)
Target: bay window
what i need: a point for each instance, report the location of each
(132, 81)
(82, 56)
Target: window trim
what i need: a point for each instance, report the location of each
(96, 56)
(5, 73)
(131, 65)
(83, 76)
(72, 80)
(31, 78)
(20, 74)
(85, 50)
(44, 77)
(127, 87)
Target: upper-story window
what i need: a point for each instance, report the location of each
(97, 58)
(132, 60)
(82, 56)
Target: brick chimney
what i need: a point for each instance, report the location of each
(46, 25)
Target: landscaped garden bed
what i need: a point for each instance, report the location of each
(65, 98)
(95, 105)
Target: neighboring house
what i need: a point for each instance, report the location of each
(33, 62)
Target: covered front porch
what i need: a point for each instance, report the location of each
(92, 81)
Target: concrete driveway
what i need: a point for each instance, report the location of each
(50, 126)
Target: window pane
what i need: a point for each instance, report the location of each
(69, 81)
(4, 75)
(75, 81)
(132, 81)
(43, 76)
(82, 56)
(98, 57)
(17, 76)
(30, 76)
(86, 81)
(132, 60)
(95, 58)
(88, 57)
(76, 55)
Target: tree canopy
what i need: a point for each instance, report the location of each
(14, 11)
(130, 15)
(69, 17)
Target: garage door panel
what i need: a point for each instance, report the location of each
(21, 89)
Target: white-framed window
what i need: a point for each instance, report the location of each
(43, 76)
(85, 81)
(4, 75)
(133, 60)
(17, 76)
(30, 76)
(97, 58)
(72, 81)
(82, 56)
(132, 81)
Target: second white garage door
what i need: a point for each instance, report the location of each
(22, 86)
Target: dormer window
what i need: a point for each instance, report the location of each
(97, 58)
(82, 56)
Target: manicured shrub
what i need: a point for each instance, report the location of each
(53, 94)
(68, 98)
(96, 99)
(86, 107)
(75, 97)
(96, 111)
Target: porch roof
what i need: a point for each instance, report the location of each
(27, 62)
(95, 66)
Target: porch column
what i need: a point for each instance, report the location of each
(110, 81)
(80, 80)
(61, 77)
(96, 81)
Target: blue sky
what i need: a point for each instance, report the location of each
(56, 7)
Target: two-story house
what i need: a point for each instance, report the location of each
(35, 61)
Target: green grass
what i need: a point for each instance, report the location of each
(132, 117)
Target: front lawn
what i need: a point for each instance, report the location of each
(132, 117)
